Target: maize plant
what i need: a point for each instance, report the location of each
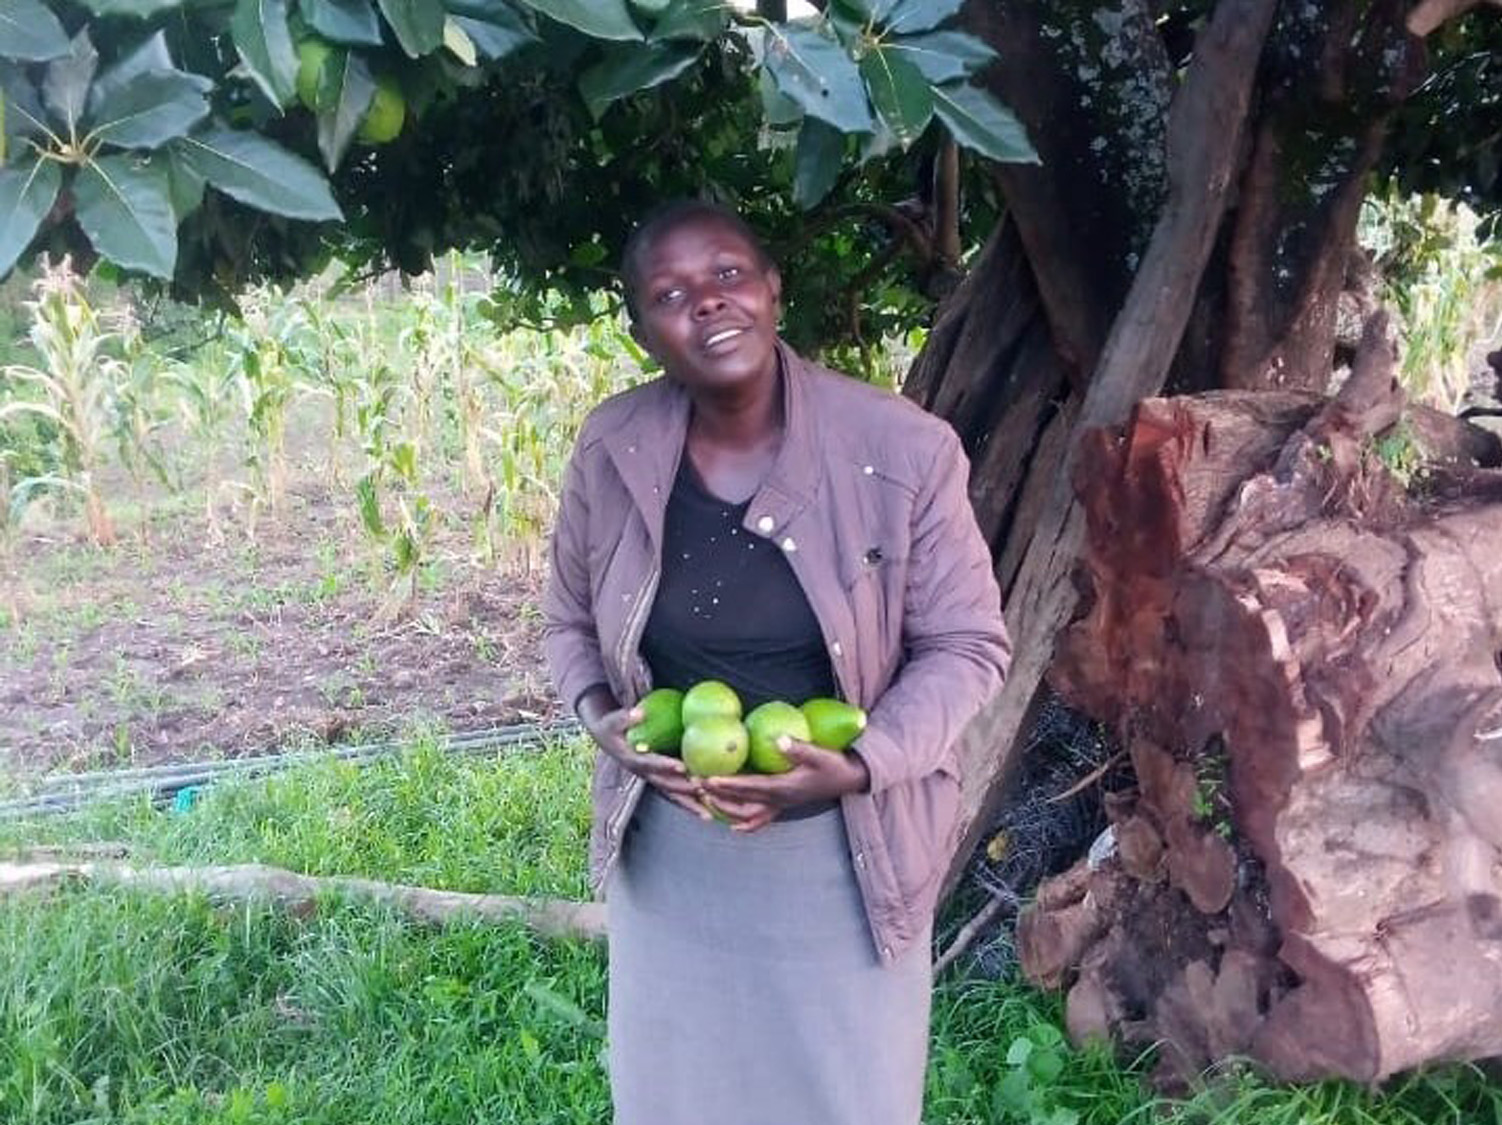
(270, 356)
(1445, 279)
(407, 537)
(204, 399)
(78, 381)
(138, 409)
(341, 353)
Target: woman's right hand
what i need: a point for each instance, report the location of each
(667, 775)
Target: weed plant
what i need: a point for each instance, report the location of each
(126, 1008)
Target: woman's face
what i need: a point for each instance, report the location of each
(707, 307)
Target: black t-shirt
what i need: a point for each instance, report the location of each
(729, 607)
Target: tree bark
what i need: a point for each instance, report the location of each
(1299, 658)
(1205, 130)
(1332, 75)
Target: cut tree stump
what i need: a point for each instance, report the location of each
(1302, 660)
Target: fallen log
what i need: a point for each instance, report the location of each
(257, 882)
(1301, 657)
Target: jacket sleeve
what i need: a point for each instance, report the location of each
(570, 640)
(956, 648)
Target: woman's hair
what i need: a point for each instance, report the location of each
(669, 217)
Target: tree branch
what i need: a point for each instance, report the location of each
(252, 881)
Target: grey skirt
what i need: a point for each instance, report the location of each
(744, 985)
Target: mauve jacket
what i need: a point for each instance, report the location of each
(867, 497)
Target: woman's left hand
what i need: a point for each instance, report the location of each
(751, 801)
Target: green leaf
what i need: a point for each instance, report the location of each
(603, 19)
(24, 115)
(124, 205)
(876, 10)
(625, 70)
(137, 9)
(901, 94)
(943, 56)
(150, 56)
(704, 20)
(259, 172)
(909, 16)
(65, 88)
(151, 109)
(456, 41)
(816, 166)
(777, 109)
(185, 184)
(261, 35)
(30, 32)
(343, 21)
(495, 28)
(27, 192)
(369, 502)
(346, 92)
(817, 74)
(418, 24)
(980, 122)
(650, 7)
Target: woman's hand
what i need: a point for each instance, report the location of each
(608, 725)
(752, 801)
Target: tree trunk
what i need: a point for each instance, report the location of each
(1299, 657)
(1204, 133)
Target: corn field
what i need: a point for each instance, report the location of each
(425, 414)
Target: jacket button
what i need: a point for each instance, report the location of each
(886, 951)
(860, 859)
(788, 545)
(837, 649)
(765, 525)
(869, 470)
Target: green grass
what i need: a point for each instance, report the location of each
(125, 1008)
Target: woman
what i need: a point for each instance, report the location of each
(753, 518)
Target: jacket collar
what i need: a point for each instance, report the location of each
(648, 446)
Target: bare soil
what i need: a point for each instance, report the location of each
(172, 647)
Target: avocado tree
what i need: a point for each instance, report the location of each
(1089, 203)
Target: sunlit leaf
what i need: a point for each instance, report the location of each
(817, 74)
(626, 69)
(603, 19)
(30, 32)
(980, 122)
(343, 99)
(456, 41)
(264, 40)
(259, 172)
(151, 109)
(418, 24)
(343, 21)
(27, 192)
(124, 205)
(943, 56)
